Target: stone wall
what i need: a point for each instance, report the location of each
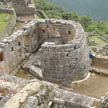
(24, 7)
(67, 60)
(50, 96)
(66, 99)
(41, 94)
(58, 98)
(5, 0)
(16, 47)
(101, 63)
(6, 10)
(63, 61)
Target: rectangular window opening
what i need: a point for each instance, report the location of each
(1, 56)
(12, 49)
(19, 43)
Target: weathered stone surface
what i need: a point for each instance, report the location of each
(61, 62)
(20, 97)
(24, 7)
(68, 99)
(60, 99)
(37, 94)
(69, 60)
(104, 101)
(64, 58)
(31, 102)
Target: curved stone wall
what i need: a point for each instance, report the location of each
(65, 61)
(64, 51)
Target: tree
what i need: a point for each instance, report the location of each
(51, 10)
(70, 16)
(101, 26)
(86, 21)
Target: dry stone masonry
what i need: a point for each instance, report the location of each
(64, 52)
(63, 57)
(21, 93)
(24, 7)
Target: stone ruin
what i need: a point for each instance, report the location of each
(20, 93)
(24, 7)
(64, 58)
(64, 53)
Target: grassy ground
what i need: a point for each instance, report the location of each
(96, 86)
(4, 18)
(23, 74)
(99, 41)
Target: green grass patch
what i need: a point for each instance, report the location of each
(4, 18)
(99, 41)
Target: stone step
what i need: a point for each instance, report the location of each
(101, 71)
(35, 71)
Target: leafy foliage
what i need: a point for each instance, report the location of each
(51, 10)
(70, 16)
(54, 11)
(85, 21)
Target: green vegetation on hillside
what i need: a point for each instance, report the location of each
(95, 8)
(3, 21)
(53, 11)
(99, 28)
(98, 41)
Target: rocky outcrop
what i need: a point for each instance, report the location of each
(20, 97)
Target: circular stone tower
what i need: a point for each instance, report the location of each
(65, 55)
